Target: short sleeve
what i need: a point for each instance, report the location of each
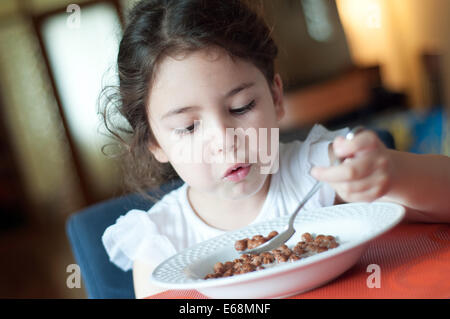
(315, 153)
(135, 236)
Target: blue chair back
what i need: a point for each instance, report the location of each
(102, 279)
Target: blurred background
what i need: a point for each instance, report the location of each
(381, 63)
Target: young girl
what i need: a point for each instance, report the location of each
(191, 69)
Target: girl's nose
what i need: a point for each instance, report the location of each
(224, 140)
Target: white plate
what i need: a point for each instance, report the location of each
(354, 226)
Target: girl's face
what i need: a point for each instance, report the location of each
(198, 104)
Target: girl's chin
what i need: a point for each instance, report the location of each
(245, 188)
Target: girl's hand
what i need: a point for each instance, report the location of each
(366, 173)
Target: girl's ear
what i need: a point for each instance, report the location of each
(277, 92)
(158, 153)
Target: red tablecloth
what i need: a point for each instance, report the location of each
(414, 260)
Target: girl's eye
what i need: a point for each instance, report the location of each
(239, 111)
(186, 130)
(244, 109)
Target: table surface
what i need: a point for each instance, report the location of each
(414, 262)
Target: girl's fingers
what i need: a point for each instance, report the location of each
(367, 189)
(350, 169)
(364, 141)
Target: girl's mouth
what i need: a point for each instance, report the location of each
(237, 172)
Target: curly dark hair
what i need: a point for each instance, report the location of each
(156, 29)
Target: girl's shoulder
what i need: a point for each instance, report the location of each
(171, 203)
(170, 211)
(169, 206)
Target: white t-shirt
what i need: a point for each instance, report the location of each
(171, 225)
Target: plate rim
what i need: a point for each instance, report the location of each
(218, 282)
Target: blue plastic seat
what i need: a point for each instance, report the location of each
(102, 278)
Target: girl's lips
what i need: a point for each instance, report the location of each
(237, 172)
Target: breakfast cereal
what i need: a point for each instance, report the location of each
(308, 246)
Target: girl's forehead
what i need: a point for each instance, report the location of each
(204, 73)
(206, 67)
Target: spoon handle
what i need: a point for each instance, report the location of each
(313, 190)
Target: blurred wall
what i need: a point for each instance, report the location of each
(30, 112)
(312, 46)
(394, 34)
(42, 149)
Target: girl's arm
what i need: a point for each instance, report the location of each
(141, 275)
(420, 182)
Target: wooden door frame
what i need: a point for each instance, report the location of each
(37, 21)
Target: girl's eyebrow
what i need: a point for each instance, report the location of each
(238, 89)
(178, 111)
(185, 109)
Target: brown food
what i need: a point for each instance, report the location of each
(253, 262)
(241, 245)
(255, 241)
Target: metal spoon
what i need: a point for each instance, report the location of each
(284, 236)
